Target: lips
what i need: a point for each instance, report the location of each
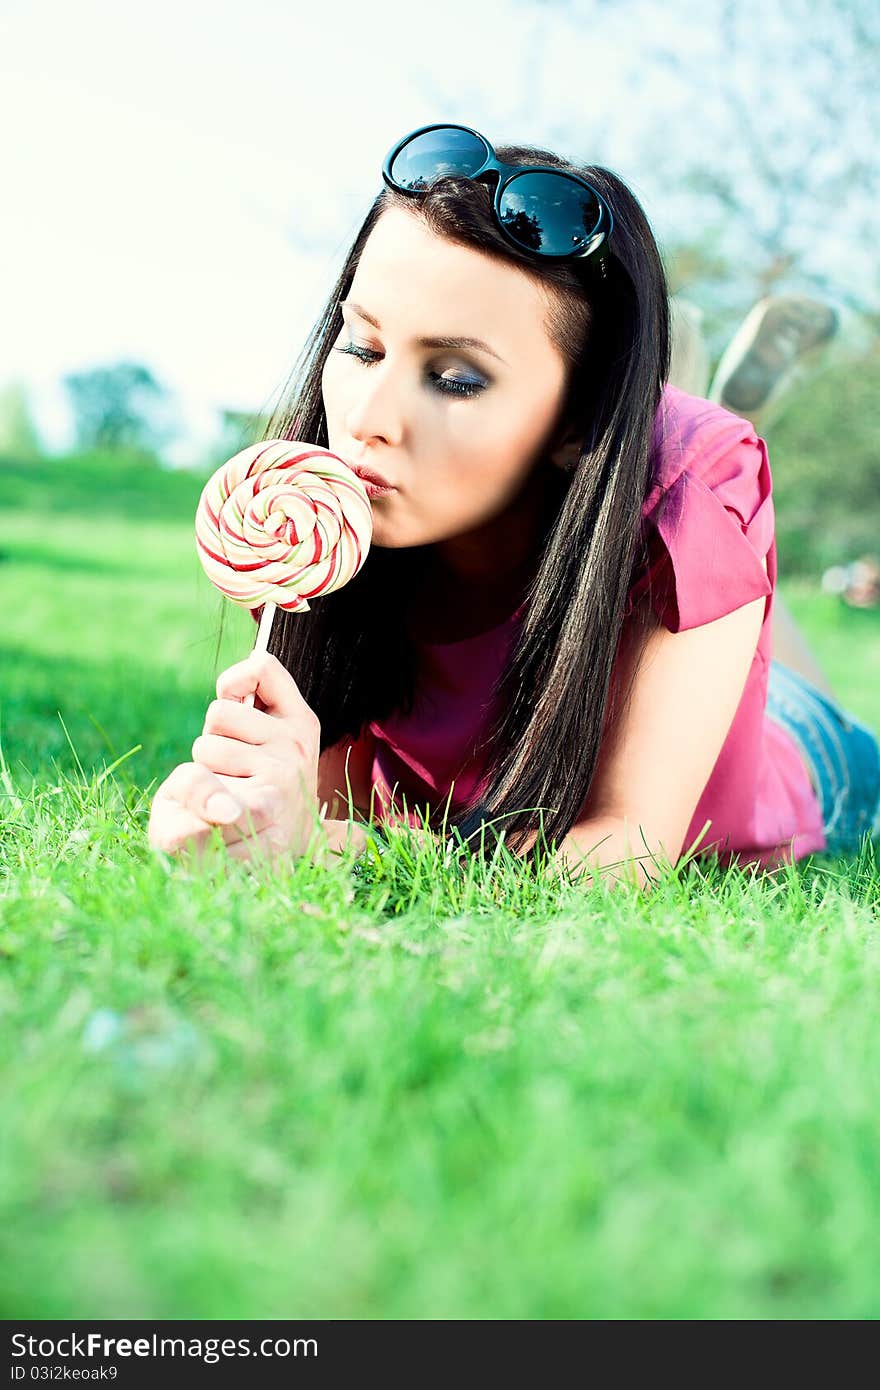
(369, 475)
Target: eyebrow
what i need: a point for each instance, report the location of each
(428, 342)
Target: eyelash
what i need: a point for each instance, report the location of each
(451, 388)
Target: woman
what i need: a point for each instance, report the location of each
(562, 628)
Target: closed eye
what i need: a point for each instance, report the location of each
(447, 386)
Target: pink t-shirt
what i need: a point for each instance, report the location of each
(718, 524)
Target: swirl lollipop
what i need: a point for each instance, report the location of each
(280, 523)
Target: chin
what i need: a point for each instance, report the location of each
(388, 535)
(391, 542)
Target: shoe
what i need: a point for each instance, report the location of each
(863, 587)
(857, 584)
(759, 363)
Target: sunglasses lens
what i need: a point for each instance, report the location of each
(549, 213)
(435, 153)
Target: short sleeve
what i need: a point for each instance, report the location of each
(713, 528)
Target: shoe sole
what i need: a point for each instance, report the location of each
(759, 361)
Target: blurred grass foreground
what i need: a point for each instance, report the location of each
(407, 1091)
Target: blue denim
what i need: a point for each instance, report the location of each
(841, 753)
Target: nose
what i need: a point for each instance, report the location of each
(374, 409)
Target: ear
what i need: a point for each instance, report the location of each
(566, 455)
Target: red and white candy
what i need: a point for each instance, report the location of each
(280, 523)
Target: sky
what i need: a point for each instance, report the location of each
(186, 177)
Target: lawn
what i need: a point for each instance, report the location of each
(409, 1090)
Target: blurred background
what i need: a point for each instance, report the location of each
(182, 182)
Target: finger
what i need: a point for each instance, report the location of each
(237, 839)
(254, 797)
(178, 829)
(235, 720)
(194, 788)
(174, 827)
(198, 849)
(229, 756)
(256, 847)
(265, 803)
(263, 675)
(259, 812)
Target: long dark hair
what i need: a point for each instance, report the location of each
(351, 656)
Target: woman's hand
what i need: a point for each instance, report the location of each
(265, 760)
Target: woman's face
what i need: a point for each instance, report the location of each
(457, 431)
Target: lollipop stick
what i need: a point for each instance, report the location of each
(262, 641)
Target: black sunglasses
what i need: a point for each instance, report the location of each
(538, 208)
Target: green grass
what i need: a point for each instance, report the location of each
(413, 1091)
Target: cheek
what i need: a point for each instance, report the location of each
(478, 434)
(329, 386)
(494, 448)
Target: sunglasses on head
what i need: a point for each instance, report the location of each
(539, 209)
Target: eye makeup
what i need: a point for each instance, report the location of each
(445, 386)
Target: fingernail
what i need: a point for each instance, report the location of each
(221, 807)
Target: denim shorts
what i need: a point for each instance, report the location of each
(841, 753)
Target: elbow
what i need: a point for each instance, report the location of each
(620, 848)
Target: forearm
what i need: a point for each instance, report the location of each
(605, 843)
(616, 845)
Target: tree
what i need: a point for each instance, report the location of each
(121, 406)
(19, 437)
(797, 188)
(749, 128)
